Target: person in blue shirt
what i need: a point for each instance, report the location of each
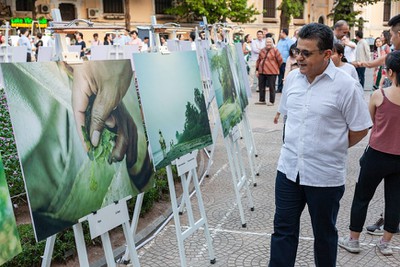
(283, 46)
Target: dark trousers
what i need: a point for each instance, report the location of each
(361, 75)
(375, 167)
(323, 206)
(28, 57)
(263, 81)
(280, 77)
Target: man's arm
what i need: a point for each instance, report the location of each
(380, 61)
(356, 136)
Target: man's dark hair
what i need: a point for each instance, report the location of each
(146, 38)
(392, 62)
(22, 31)
(286, 31)
(95, 35)
(260, 31)
(359, 34)
(319, 32)
(192, 36)
(395, 23)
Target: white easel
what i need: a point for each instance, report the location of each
(239, 176)
(201, 48)
(186, 166)
(100, 222)
(247, 132)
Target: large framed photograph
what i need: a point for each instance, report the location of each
(79, 135)
(173, 104)
(230, 110)
(10, 244)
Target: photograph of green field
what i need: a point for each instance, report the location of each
(80, 138)
(226, 95)
(239, 71)
(173, 104)
(10, 244)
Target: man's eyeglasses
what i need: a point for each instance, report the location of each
(305, 53)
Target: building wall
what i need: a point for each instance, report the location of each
(142, 10)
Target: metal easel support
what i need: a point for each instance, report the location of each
(186, 166)
(132, 230)
(239, 178)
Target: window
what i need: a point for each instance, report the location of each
(113, 6)
(162, 5)
(23, 5)
(386, 10)
(269, 7)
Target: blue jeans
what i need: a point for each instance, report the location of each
(361, 75)
(323, 205)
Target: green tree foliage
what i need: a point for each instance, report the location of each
(344, 10)
(214, 10)
(196, 123)
(220, 64)
(289, 9)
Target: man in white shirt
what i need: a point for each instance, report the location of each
(256, 46)
(362, 54)
(24, 41)
(349, 48)
(326, 114)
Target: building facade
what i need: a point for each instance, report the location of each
(112, 12)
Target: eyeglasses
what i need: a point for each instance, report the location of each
(305, 53)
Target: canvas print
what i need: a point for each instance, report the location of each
(226, 95)
(10, 244)
(173, 104)
(241, 80)
(79, 135)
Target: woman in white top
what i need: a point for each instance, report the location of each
(340, 61)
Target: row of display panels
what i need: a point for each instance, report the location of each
(82, 137)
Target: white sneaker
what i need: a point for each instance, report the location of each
(352, 246)
(384, 248)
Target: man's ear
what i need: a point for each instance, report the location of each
(328, 54)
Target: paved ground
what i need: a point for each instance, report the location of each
(237, 246)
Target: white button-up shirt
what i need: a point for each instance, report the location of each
(319, 117)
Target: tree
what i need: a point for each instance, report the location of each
(344, 10)
(214, 10)
(289, 9)
(127, 15)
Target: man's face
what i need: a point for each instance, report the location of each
(260, 35)
(341, 31)
(395, 37)
(282, 34)
(315, 62)
(268, 43)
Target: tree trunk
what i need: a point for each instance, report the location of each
(127, 15)
(284, 21)
(33, 10)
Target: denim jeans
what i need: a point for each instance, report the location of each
(375, 167)
(323, 206)
(361, 75)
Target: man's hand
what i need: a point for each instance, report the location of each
(127, 137)
(108, 84)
